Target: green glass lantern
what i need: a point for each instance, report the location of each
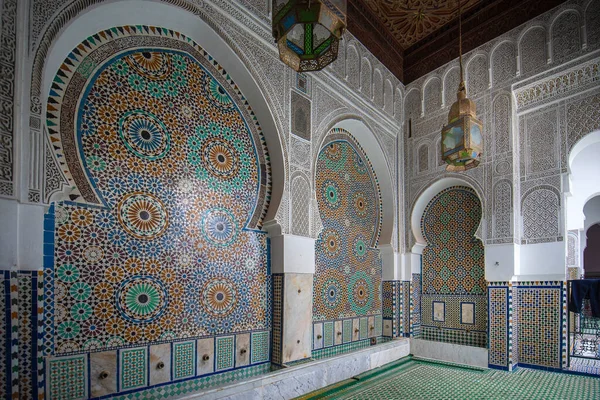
(308, 32)
(462, 140)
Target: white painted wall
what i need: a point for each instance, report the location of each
(591, 212)
(292, 254)
(542, 261)
(21, 235)
(584, 178)
(502, 262)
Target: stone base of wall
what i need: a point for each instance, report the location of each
(449, 352)
(296, 381)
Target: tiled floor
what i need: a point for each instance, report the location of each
(413, 379)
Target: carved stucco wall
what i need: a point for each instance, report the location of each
(535, 101)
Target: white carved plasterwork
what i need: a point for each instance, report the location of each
(432, 95)
(300, 153)
(283, 216)
(477, 75)
(566, 39)
(423, 158)
(542, 140)
(8, 54)
(592, 24)
(540, 210)
(388, 97)
(366, 73)
(301, 202)
(353, 67)
(583, 117)
(501, 117)
(532, 50)
(572, 80)
(573, 249)
(412, 106)
(504, 63)
(451, 82)
(378, 88)
(502, 209)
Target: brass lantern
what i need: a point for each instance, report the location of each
(308, 32)
(462, 143)
(462, 140)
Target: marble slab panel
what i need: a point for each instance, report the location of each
(242, 350)
(205, 356)
(387, 327)
(318, 336)
(456, 353)
(297, 317)
(355, 329)
(371, 326)
(103, 373)
(338, 332)
(160, 355)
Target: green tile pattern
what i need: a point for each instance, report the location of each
(177, 389)
(184, 360)
(412, 379)
(260, 347)
(134, 368)
(67, 378)
(363, 326)
(225, 356)
(347, 331)
(328, 334)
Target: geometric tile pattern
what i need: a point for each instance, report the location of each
(260, 347)
(453, 268)
(184, 359)
(328, 334)
(168, 168)
(347, 280)
(277, 318)
(225, 352)
(67, 378)
(177, 389)
(25, 335)
(498, 325)
(412, 380)
(345, 348)
(133, 371)
(415, 305)
(452, 260)
(540, 323)
(406, 309)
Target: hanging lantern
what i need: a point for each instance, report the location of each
(308, 32)
(462, 140)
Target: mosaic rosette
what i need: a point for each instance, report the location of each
(142, 215)
(141, 299)
(175, 161)
(144, 135)
(347, 279)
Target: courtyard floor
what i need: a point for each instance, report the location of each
(411, 378)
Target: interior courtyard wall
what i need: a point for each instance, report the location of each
(536, 91)
(238, 34)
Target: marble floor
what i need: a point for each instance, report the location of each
(417, 379)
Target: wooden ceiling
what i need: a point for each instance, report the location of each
(414, 37)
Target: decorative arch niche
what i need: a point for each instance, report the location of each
(348, 269)
(170, 180)
(454, 289)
